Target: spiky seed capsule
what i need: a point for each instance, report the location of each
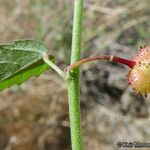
(139, 75)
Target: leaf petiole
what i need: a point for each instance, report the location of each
(52, 65)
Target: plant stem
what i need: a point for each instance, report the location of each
(126, 62)
(73, 81)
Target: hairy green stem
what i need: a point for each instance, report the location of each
(73, 80)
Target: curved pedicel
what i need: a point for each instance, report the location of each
(139, 73)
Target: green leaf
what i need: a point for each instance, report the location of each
(21, 60)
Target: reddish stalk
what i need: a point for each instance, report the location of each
(126, 62)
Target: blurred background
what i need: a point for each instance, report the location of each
(35, 115)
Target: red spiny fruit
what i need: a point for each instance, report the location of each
(139, 74)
